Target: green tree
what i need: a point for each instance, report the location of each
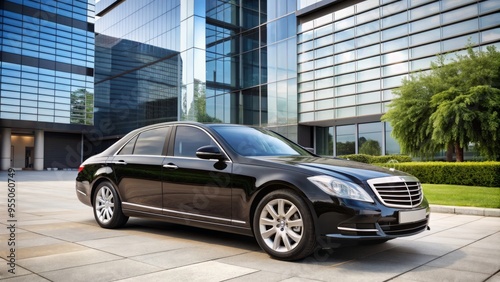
(456, 104)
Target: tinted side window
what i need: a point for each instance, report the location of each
(188, 139)
(151, 142)
(128, 149)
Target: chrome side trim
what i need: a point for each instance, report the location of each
(184, 213)
(141, 206)
(81, 192)
(357, 230)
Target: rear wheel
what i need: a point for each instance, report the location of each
(107, 207)
(283, 226)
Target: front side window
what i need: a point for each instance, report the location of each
(188, 140)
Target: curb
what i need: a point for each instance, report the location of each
(466, 210)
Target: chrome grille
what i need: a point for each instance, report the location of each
(398, 191)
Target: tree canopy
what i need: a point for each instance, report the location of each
(455, 104)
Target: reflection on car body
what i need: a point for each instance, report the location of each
(249, 181)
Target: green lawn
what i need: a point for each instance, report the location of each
(458, 195)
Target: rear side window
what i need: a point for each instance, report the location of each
(149, 142)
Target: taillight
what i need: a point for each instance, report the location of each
(80, 168)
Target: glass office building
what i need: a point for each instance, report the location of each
(352, 54)
(319, 72)
(47, 82)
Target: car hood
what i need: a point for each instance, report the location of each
(334, 167)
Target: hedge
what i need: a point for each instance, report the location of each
(376, 159)
(465, 173)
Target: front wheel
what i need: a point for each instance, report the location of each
(283, 226)
(107, 207)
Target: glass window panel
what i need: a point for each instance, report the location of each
(425, 37)
(345, 68)
(306, 107)
(345, 101)
(393, 8)
(396, 44)
(446, 5)
(368, 39)
(324, 30)
(324, 115)
(345, 23)
(324, 93)
(459, 14)
(305, 36)
(424, 11)
(391, 145)
(367, 16)
(490, 35)
(345, 34)
(395, 69)
(345, 112)
(369, 86)
(394, 32)
(306, 66)
(344, 46)
(459, 42)
(328, 61)
(324, 72)
(345, 140)
(488, 6)
(345, 90)
(371, 109)
(304, 117)
(395, 20)
(422, 64)
(394, 81)
(306, 76)
(305, 26)
(324, 41)
(367, 28)
(328, 18)
(306, 46)
(324, 104)
(368, 97)
(324, 83)
(368, 74)
(323, 52)
(461, 28)
(490, 20)
(424, 24)
(306, 86)
(370, 137)
(368, 63)
(346, 12)
(307, 56)
(368, 51)
(306, 96)
(345, 79)
(324, 141)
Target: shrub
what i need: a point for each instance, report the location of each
(464, 173)
(363, 158)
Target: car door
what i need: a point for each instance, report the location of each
(138, 170)
(195, 188)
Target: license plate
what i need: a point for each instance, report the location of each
(412, 216)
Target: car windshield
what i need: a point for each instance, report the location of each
(249, 141)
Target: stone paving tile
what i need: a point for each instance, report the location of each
(65, 260)
(428, 273)
(203, 272)
(48, 249)
(27, 278)
(460, 260)
(18, 271)
(260, 276)
(494, 278)
(103, 271)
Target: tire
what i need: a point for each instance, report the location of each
(283, 226)
(107, 207)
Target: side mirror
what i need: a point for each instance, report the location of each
(209, 152)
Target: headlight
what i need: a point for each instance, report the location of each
(339, 188)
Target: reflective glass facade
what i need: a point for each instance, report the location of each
(47, 82)
(138, 64)
(352, 54)
(47, 61)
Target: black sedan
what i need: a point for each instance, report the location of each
(249, 181)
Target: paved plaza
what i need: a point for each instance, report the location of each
(57, 239)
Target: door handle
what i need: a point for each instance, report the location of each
(170, 166)
(121, 162)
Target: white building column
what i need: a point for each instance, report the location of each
(39, 147)
(6, 148)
